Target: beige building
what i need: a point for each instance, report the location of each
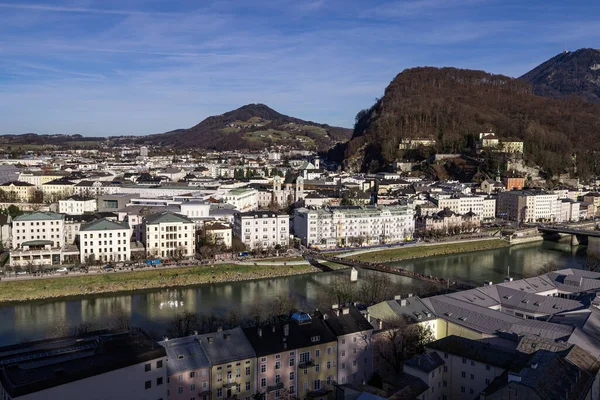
(57, 189)
(104, 240)
(218, 233)
(169, 235)
(18, 191)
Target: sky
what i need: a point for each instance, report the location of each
(129, 67)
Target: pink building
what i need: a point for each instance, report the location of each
(188, 369)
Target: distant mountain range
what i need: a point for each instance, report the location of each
(253, 126)
(569, 73)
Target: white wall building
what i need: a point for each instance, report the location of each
(77, 205)
(44, 226)
(169, 235)
(242, 199)
(195, 209)
(460, 204)
(104, 240)
(262, 229)
(348, 225)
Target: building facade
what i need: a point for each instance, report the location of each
(169, 235)
(104, 240)
(262, 229)
(77, 205)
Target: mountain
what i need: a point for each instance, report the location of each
(453, 106)
(569, 73)
(253, 126)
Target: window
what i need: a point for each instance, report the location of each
(445, 368)
(354, 339)
(317, 384)
(487, 381)
(317, 353)
(343, 365)
(147, 367)
(472, 363)
(487, 368)
(192, 374)
(180, 390)
(472, 376)
(445, 383)
(219, 377)
(193, 387)
(219, 392)
(238, 372)
(305, 371)
(247, 371)
(292, 376)
(464, 360)
(470, 391)
(277, 379)
(343, 341)
(179, 377)
(264, 359)
(305, 357)
(463, 374)
(291, 362)
(263, 382)
(292, 389)
(328, 350)
(277, 365)
(263, 368)
(148, 384)
(292, 354)
(159, 381)
(328, 364)
(317, 367)
(463, 389)
(247, 386)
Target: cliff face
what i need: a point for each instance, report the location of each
(452, 106)
(570, 73)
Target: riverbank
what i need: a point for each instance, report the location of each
(93, 284)
(428, 250)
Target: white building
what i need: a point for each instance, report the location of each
(242, 199)
(77, 205)
(529, 206)
(218, 233)
(460, 204)
(104, 240)
(195, 209)
(489, 208)
(169, 235)
(38, 226)
(262, 229)
(355, 225)
(124, 365)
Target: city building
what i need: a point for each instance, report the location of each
(217, 233)
(528, 206)
(406, 144)
(188, 369)
(57, 189)
(169, 235)
(77, 205)
(18, 191)
(262, 229)
(100, 365)
(346, 226)
(232, 362)
(242, 199)
(38, 226)
(105, 241)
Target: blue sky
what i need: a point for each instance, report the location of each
(115, 67)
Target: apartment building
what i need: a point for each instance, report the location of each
(489, 208)
(122, 365)
(104, 240)
(96, 188)
(354, 344)
(317, 356)
(232, 364)
(262, 229)
(57, 189)
(169, 235)
(459, 204)
(77, 205)
(38, 226)
(354, 225)
(242, 199)
(217, 233)
(188, 369)
(38, 178)
(528, 206)
(18, 191)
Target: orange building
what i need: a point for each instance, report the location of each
(514, 183)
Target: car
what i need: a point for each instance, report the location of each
(108, 266)
(63, 269)
(22, 273)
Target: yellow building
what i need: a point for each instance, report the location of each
(57, 189)
(18, 191)
(232, 364)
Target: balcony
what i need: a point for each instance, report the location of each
(306, 364)
(277, 386)
(230, 383)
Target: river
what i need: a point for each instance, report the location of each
(153, 309)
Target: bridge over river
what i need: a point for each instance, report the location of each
(579, 235)
(450, 284)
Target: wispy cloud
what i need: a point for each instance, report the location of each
(66, 9)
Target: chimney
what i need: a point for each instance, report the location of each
(273, 328)
(334, 306)
(397, 297)
(196, 334)
(345, 311)
(259, 332)
(286, 330)
(403, 302)
(410, 295)
(220, 329)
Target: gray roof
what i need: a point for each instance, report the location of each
(530, 302)
(167, 217)
(391, 311)
(426, 362)
(39, 216)
(184, 354)
(104, 225)
(225, 346)
(8, 173)
(475, 350)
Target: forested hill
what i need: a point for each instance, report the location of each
(253, 126)
(453, 105)
(568, 73)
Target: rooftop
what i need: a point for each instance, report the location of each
(39, 216)
(184, 354)
(104, 225)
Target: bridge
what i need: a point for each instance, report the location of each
(453, 285)
(578, 235)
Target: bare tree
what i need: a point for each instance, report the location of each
(375, 288)
(550, 266)
(591, 263)
(402, 342)
(183, 324)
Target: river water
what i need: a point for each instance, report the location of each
(153, 309)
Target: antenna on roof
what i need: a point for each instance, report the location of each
(565, 49)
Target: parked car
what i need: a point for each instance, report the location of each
(108, 266)
(22, 273)
(63, 269)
